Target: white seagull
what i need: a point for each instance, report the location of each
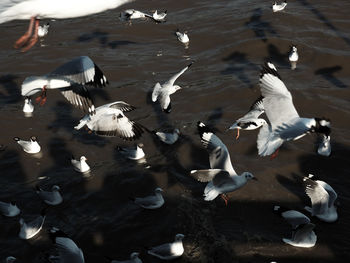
(10, 259)
(57, 9)
(52, 197)
(31, 146)
(134, 258)
(293, 57)
(110, 120)
(159, 17)
(182, 37)
(72, 79)
(221, 176)
(168, 137)
(81, 165)
(28, 106)
(132, 153)
(278, 7)
(169, 251)
(251, 120)
(152, 201)
(322, 197)
(9, 209)
(130, 14)
(162, 92)
(324, 148)
(68, 251)
(285, 122)
(32, 228)
(293, 217)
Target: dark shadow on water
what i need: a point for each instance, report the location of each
(327, 74)
(9, 92)
(276, 56)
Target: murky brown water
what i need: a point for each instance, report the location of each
(229, 40)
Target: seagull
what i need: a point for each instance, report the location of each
(134, 258)
(278, 7)
(110, 120)
(324, 148)
(162, 92)
(68, 251)
(31, 146)
(28, 106)
(182, 37)
(168, 137)
(57, 9)
(293, 57)
(221, 176)
(132, 153)
(169, 251)
(293, 217)
(285, 123)
(72, 79)
(9, 209)
(151, 202)
(80, 166)
(130, 14)
(32, 228)
(250, 120)
(159, 17)
(10, 259)
(52, 197)
(322, 197)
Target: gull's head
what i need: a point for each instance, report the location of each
(32, 85)
(158, 190)
(323, 125)
(140, 145)
(249, 176)
(83, 158)
(33, 139)
(177, 131)
(134, 255)
(179, 237)
(55, 188)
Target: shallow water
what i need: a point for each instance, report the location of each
(228, 45)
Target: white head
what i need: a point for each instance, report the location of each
(179, 237)
(158, 190)
(32, 85)
(134, 255)
(260, 122)
(140, 145)
(294, 49)
(177, 131)
(248, 176)
(55, 188)
(33, 139)
(83, 159)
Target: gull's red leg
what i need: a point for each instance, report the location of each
(237, 136)
(34, 38)
(274, 155)
(225, 198)
(24, 39)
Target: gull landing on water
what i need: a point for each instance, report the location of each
(81, 165)
(169, 251)
(134, 258)
(293, 57)
(31, 146)
(279, 7)
(72, 79)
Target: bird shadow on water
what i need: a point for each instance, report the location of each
(275, 55)
(328, 74)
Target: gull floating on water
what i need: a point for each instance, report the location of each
(279, 7)
(134, 258)
(130, 14)
(32, 228)
(169, 251)
(72, 79)
(31, 146)
(182, 37)
(110, 120)
(28, 106)
(250, 120)
(285, 122)
(322, 197)
(168, 137)
(10, 259)
(57, 9)
(9, 209)
(221, 176)
(159, 17)
(81, 165)
(324, 148)
(68, 251)
(52, 197)
(152, 201)
(293, 57)
(132, 153)
(162, 92)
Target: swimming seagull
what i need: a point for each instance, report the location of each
(323, 198)
(159, 17)
(152, 201)
(278, 7)
(169, 251)
(134, 258)
(324, 148)
(31, 146)
(132, 153)
(221, 176)
(285, 122)
(168, 137)
(110, 120)
(28, 106)
(182, 37)
(68, 251)
(9, 209)
(72, 79)
(10, 259)
(250, 120)
(130, 14)
(81, 165)
(57, 9)
(32, 228)
(162, 92)
(293, 57)
(52, 197)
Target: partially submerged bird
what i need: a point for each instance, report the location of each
(80, 165)
(162, 92)
(285, 122)
(182, 37)
(152, 201)
(251, 120)
(28, 106)
(168, 137)
(323, 199)
(57, 9)
(133, 153)
(110, 120)
(30, 229)
(72, 79)
(31, 146)
(169, 251)
(134, 258)
(221, 176)
(293, 57)
(52, 197)
(9, 209)
(279, 7)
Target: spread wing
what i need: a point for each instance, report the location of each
(318, 195)
(172, 80)
(78, 95)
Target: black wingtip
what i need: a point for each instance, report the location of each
(202, 128)
(269, 68)
(189, 65)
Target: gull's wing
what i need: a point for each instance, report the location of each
(81, 70)
(219, 156)
(318, 195)
(255, 110)
(68, 251)
(293, 129)
(209, 174)
(165, 102)
(121, 105)
(161, 250)
(172, 80)
(156, 90)
(303, 232)
(278, 103)
(78, 95)
(295, 218)
(332, 194)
